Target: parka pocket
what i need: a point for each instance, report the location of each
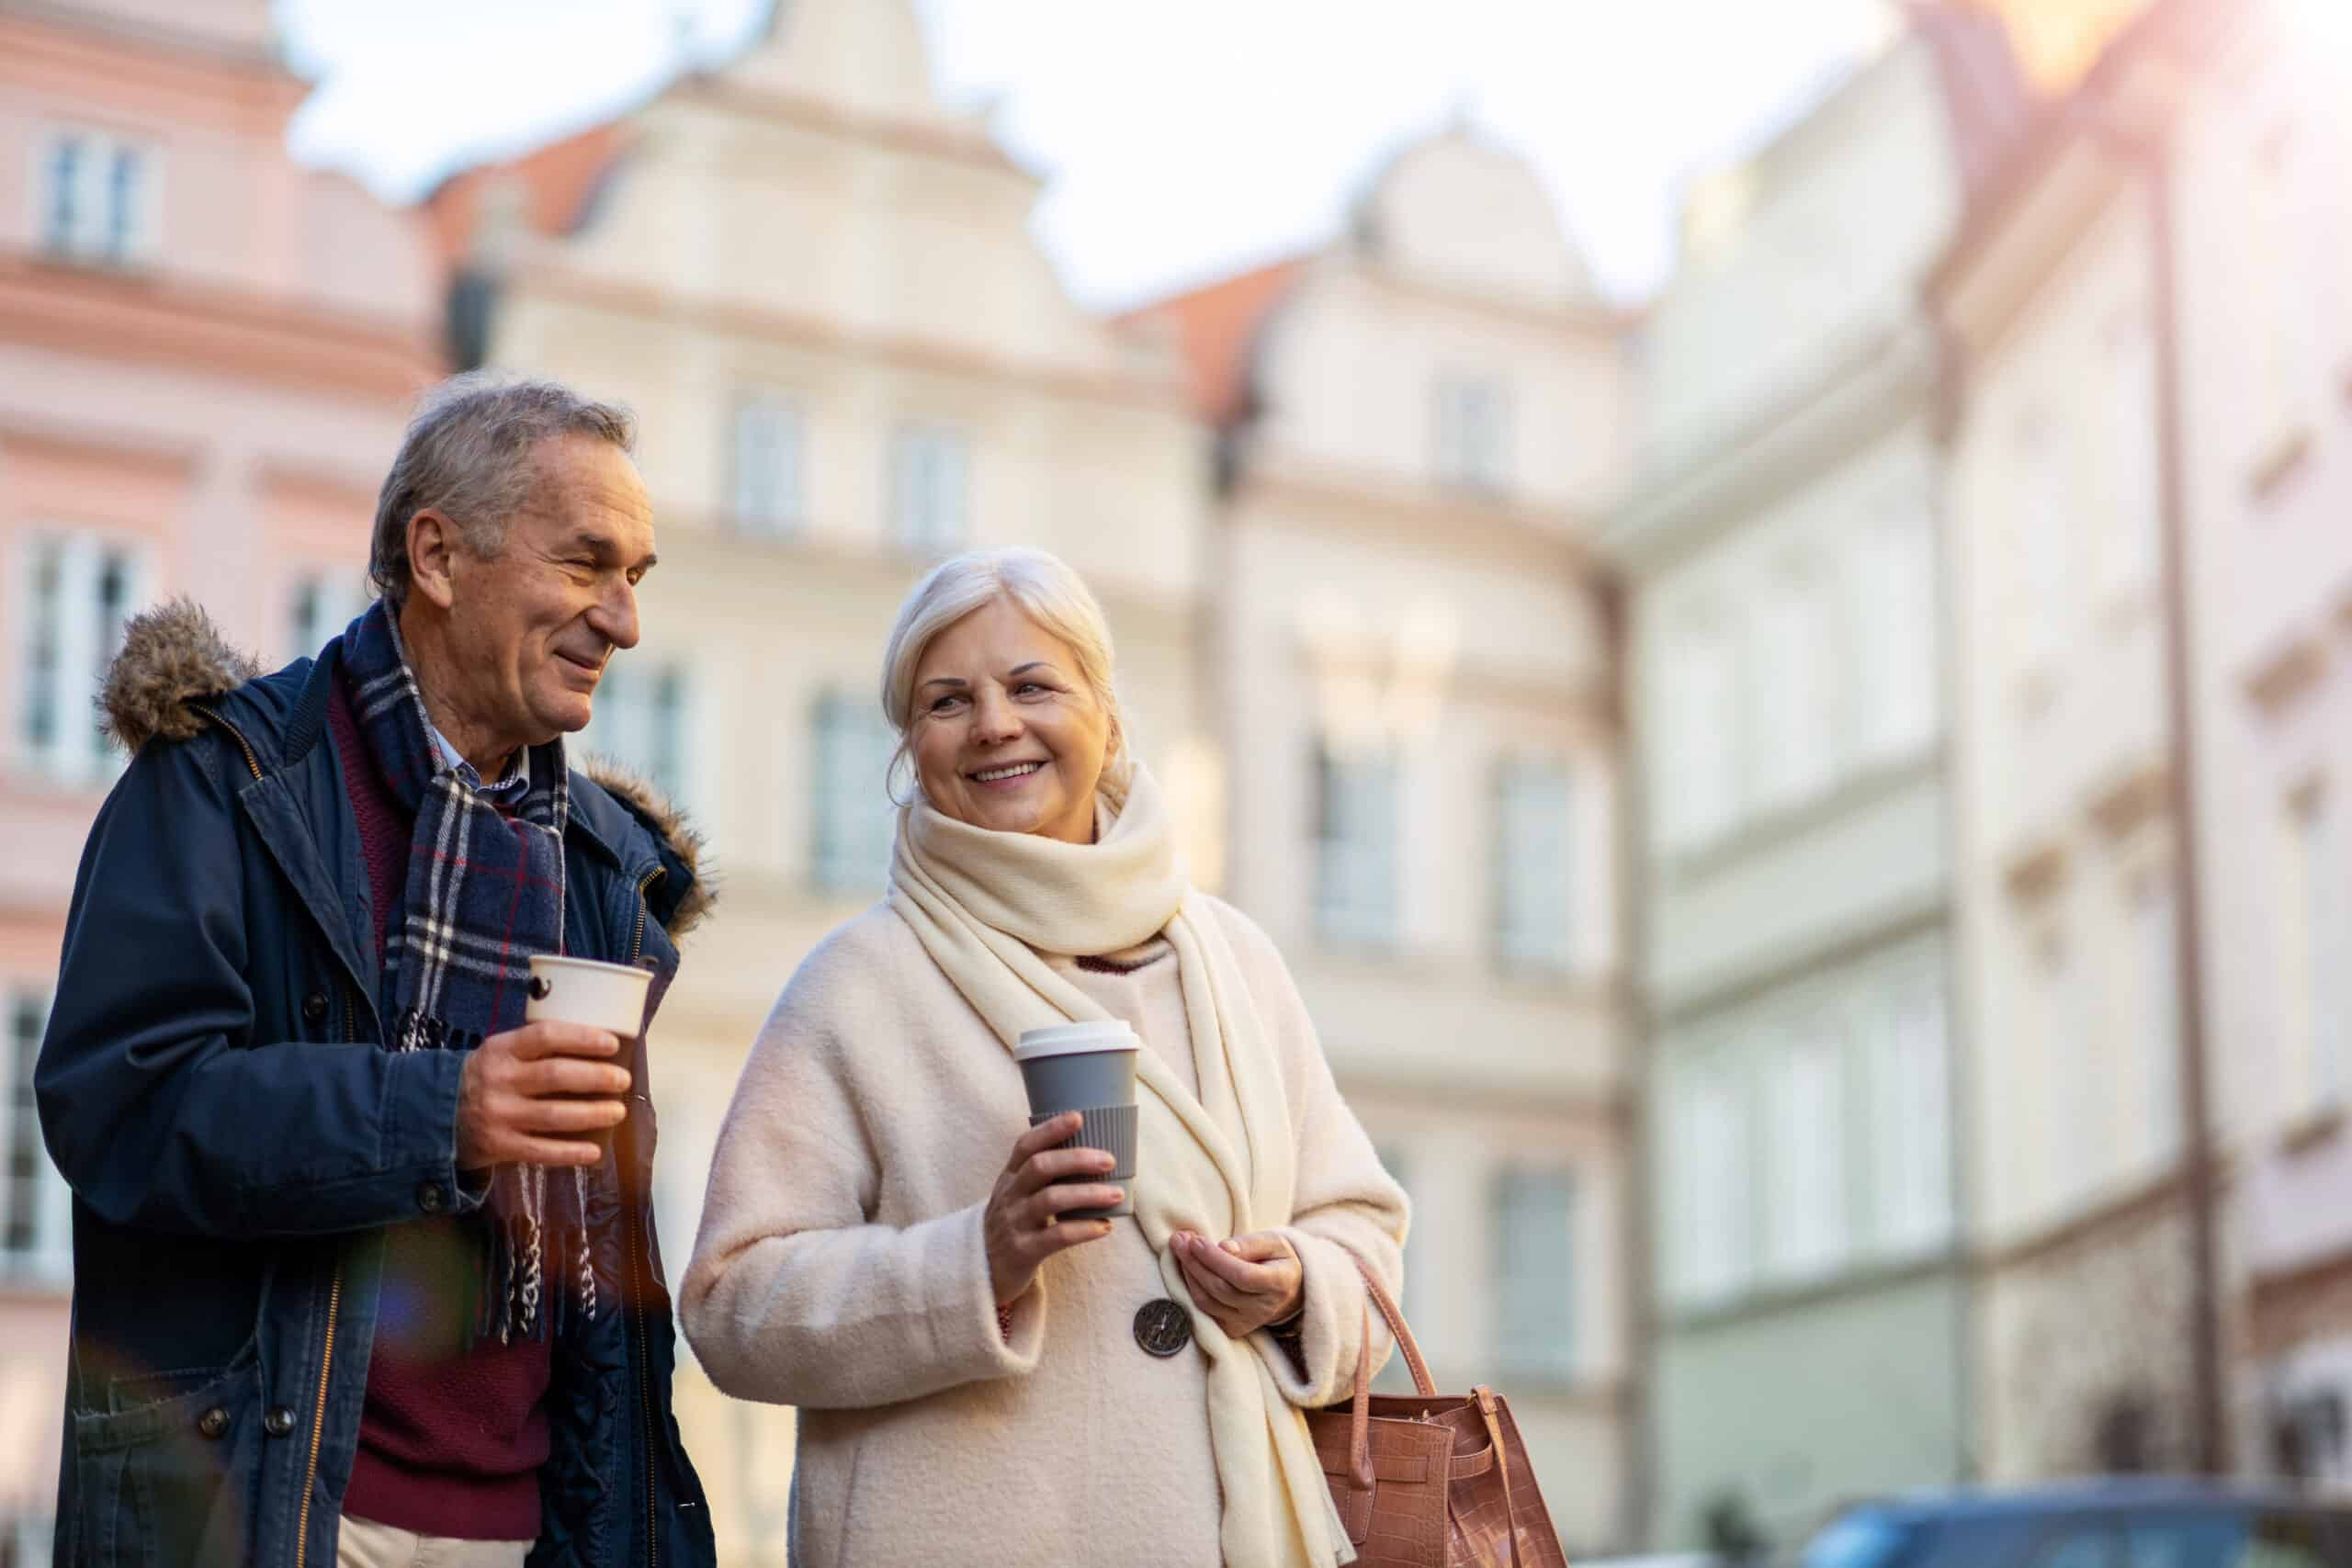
(170, 1482)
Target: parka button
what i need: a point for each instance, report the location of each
(314, 1007)
(1163, 1328)
(212, 1424)
(277, 1423)
(429, 1198)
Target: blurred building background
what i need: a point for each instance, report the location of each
(1414, 669)
(1779, 545)
(206, 353)
(1809, 814)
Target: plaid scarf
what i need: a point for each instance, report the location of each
(484, 893)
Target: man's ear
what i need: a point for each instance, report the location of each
(433, 546)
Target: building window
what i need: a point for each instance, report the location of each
(1698, 793)
(1793, 694)
(2290, 273)
(96, 195)
(1911, 1124)
(2156, 934)
(765, 466)
(2311, 914)
(639, 719)
(1355, 850)
(324, 604)
(1473, 431)
(1806, 1181)
(1535, 817)
(36, 1220)
(2070, 1130)
(2045, 544)
(1395, 1378)
(929, 480)
(1710, 1184)
(1898, 614)
(84, 591)
(1534, 1251)
(853, 821)
(2128, 559)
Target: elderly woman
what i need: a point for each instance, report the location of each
(980, 1380)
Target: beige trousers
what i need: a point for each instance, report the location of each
(362, 1543)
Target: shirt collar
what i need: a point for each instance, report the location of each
(518, 768)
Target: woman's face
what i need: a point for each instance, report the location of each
(1004, 732)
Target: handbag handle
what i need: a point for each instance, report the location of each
(1375, 1295)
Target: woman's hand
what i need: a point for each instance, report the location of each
(1021, 1223)
(1245, 1282)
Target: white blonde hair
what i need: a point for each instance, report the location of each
(1042, 587)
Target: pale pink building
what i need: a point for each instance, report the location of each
(206, 356)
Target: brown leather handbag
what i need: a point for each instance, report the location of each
(1429, 1479)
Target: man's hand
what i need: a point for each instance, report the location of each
(1244, 1283)
(538, 1094)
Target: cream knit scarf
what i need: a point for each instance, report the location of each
(984, 904)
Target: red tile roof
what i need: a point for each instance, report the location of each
(560, 181)
(1217, 330)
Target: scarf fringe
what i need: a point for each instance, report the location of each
(417, 1032)
(537, 1275)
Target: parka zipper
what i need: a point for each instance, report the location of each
(644, 907)
(234, 734)
(334, 1285)
(641, 1283)
(318, 1422)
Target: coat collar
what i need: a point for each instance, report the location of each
(177, 674)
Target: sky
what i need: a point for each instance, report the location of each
(1179, 139)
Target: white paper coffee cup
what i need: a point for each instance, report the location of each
(581, 990)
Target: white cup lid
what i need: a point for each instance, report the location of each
(1075, 1040)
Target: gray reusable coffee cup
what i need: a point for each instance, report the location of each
(1090, 1069)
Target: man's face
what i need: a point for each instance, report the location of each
(529, 629)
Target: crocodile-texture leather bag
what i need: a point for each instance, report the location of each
(1429, 1479)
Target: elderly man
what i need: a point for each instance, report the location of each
(365, 1271)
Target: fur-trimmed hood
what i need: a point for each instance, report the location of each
(174, 659)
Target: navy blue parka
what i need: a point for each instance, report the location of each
(212, 1088)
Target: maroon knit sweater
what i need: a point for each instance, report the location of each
(450, 1438)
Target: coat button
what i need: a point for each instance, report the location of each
(213, 1422)
(1163, 1328)
(314, 1007)
(277, 1422)
(429, 1198)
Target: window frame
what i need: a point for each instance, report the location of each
(49, 1259)
(1367, 857)
(83, 639)
(1557, 1363)
(834, 716)
(914, 530)
(785, 511)
(108, 221)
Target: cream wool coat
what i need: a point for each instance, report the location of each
(840, 1268)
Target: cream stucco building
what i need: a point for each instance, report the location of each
(206, 357)
(2063, 837)
(1782, 545)
(2261, 165)
(815, 287)
(1415, 664)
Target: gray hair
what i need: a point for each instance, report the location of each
(1042, 587)
(472, 454)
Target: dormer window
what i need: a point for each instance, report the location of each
(1473, 431)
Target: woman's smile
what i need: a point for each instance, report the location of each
(1005, 777)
